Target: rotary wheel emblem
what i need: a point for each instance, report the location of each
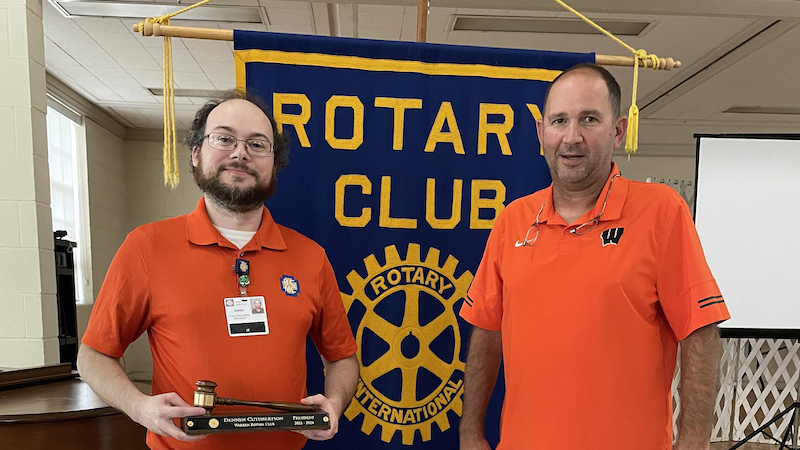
(409, 343)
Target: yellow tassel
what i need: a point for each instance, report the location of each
(171, 174)
(632, 140)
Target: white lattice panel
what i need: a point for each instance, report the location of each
(766, 383)
(758, 379)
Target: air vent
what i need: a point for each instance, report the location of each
(792, 110)
(512, 24)
(238, 14)
(190, 93)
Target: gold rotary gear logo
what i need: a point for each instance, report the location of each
(408, 355)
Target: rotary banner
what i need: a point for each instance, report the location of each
(402, 156)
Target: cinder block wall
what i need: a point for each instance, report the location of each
(28, 322)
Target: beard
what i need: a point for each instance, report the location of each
(234, 199)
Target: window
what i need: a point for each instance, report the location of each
(68, 188)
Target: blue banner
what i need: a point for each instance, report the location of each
(402, 155)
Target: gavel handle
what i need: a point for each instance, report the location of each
(281, 406)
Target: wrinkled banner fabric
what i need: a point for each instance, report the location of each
(402, 155)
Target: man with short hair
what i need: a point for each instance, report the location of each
(584, 291)
(258, 308)
(189, 282)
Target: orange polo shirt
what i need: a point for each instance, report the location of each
(170, 278)
(591, 323)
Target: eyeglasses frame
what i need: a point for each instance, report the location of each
(594, 221)
(247, 147)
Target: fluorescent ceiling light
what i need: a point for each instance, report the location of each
(546, 25)
(240, 14)
(190, 93)
(764, 110)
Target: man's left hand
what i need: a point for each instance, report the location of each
(329, 407)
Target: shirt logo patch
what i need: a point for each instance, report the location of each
(290, 286)
(611, 236)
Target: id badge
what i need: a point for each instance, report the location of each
(246, 316)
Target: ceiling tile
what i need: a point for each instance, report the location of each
(289, 17)
(123, 39)
(147, 78)
(137, 63)
(179, 76)
(381, 9)
(178, 22)
(221, 77)
(106, 46)
(237, 2)
(516, 40)
(128, 93)
(194, 85)
(54, 55)
(206, 44)
(439, 20)
(377, 33)
(103, 93)
(133, 116)
(285, 4)
(209, 68)
(481, 12)
(224, 56)
(135, 51)
(243, 26)
(224, 86)
(518, 13)
(115, 78)
(182, 59)
(379, 20)
(476, 38)
(101, 25)
(77, 73)
(409, 30)
(295, 29)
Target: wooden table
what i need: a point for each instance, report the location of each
(64, 414)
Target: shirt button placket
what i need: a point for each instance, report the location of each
(565, 244)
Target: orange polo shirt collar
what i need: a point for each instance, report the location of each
(200, 231)
(613, 211)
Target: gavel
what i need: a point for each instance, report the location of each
(205, 397)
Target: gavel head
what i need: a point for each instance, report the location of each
(204, 395)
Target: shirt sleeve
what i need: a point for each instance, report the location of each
(483, 306)
(330, 330)
(687, 291)
(121, 312)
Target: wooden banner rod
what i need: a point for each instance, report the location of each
(422, 20)
(154, 29)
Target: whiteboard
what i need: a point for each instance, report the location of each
(747, 213)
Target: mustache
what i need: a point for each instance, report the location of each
(238, 166)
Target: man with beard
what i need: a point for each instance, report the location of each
(584, 290)
(188, 281)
